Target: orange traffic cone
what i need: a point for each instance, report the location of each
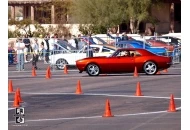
(165, 70)
(33, 72)
(107, 112)
(78, 89)
(138, 90)
(135, 72)
(10, 87)
(16, 102)
(48, 73)
(65, 70)
(19, 95)
(172, 107)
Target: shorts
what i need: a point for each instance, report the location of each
(25, 51)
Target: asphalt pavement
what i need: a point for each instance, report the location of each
(52, 104)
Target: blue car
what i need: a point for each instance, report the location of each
(141, 44)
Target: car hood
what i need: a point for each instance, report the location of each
(92, 58)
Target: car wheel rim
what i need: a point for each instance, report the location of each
(61, 63)
(150, 68)
(93, 69)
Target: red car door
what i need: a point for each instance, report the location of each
(121, 64)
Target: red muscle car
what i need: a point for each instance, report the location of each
(124, 60)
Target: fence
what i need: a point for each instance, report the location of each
(70, 51)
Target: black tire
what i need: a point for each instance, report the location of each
(60, 63)
(150, 68)
(93, 70)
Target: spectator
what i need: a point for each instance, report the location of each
(26, 41)
(72, 41)
(90, 39)
(46, 48)
(81, 43)
(41, 47)
(117, 38)
(149, 31)
(64, 39)
(124, 37)
(89, 52)
(35, 53)
(41, 51)
(52, 42)
(10, 54)
(76, 42)
(19, 47)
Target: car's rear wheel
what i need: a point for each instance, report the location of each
(150, 68)
(93, 70)
(60, 63)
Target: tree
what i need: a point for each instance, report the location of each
(138, 11)
(110, 13)
(98, 13)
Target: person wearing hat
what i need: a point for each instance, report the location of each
(19, 47)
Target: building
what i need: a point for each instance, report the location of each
(35, 10)
(169, 16)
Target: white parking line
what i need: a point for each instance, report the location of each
(93, 94)
(74, 118)
(11, 108)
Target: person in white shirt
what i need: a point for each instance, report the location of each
(35, 48)
(19, 47)
(52, 42)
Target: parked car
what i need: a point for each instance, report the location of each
(158, 43)
(168, 39)
(65, 46)
(141, 44)
(61, 59)
(144, 60)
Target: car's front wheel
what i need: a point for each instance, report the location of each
(60, 64)
(93, 70)
(150, 68)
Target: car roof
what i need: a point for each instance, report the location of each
(140, 50)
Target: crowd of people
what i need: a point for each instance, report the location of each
(40, 48)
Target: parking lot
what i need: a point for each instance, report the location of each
(53, 103)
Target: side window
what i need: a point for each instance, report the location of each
(136, 53)
(123, 53)
(105, 50)
(95, 49)
(119, 53)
